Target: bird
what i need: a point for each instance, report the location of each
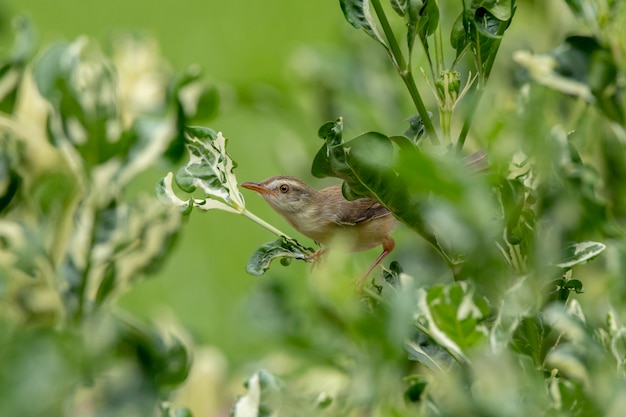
(324, 215)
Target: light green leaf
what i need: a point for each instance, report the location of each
(453, 316)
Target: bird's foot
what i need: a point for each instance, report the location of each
(316, 257)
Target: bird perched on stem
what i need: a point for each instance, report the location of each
(324, 215)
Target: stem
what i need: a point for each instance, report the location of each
(247, 213)
(409, 81)
(445, 117)
(439, 50)
(468, 122)
(484, 73)
(403, 70)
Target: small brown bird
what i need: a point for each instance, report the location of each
(323, 215)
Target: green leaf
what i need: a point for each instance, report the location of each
(261, 397)
(575, 6)
(481, 26)
(436, 196)
(529, 338)
(12, 65)
(416, 129)
(431, 356)
(163, 358)
(455, 313)
(359, 15)
(585, 60)
(370, 154)
(128, 241)
(575, 285)
(399, 6)
(415, 390)
(580, 253)
(10, 180)
(512, 198)
(422, 19)
(168, 410)
(283, 249)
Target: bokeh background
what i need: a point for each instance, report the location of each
(268, 60)
(247, 51)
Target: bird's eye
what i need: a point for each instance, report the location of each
(283, 188)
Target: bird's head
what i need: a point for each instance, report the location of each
(284, 193)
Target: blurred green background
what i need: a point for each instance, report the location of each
(245, 50)
(255, 53)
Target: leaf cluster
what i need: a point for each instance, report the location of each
(78, 125)
(511, 335)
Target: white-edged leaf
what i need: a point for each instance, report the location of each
(580, 253)
(452, 315)
(166, 194)
(257, 401)
(210, 169)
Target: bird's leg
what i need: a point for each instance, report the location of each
(388, 245)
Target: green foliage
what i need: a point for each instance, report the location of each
(513, 307)
(514, 237)
(73, 240)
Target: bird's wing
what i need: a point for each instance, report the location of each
(361, 210)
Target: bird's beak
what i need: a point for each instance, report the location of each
(255, 186)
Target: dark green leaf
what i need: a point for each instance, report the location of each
(512, 198)
(107, 285)
(165, 360)
(575, 285)
(392, 275)
(359, 15)
(399, 6)
(415, 390)
(281, 249)
(575, 6)
(529, 338)
(422, 19)
(9, 179)
(481, 26)
(431, 194)
(584, 59)
(416, 130)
